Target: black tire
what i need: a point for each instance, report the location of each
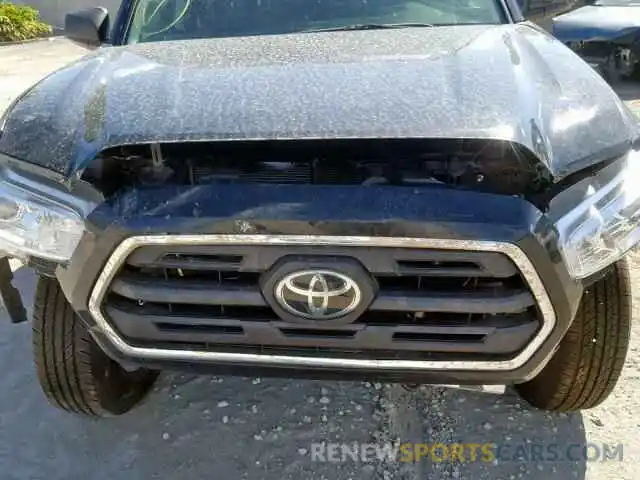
(585, 369)
(74, 373)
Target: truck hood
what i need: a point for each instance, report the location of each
(597, 23)
(507, 82)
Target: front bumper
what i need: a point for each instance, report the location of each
(609, 58)
(321, 219)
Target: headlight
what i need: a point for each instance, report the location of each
(606, 222)
(37, 219)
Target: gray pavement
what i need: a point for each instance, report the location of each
(247, 428)
(23, 65)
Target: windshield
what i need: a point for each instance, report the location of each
(158, 20)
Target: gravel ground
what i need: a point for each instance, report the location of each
(197, 426)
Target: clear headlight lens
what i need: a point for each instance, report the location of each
(36, 220)
(605, 224)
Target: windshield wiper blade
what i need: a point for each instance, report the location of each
(370, 26)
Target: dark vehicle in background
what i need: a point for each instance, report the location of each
(432, 191)
(606, 33)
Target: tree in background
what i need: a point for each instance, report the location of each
(20, 22)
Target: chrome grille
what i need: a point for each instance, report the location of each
(431, 303)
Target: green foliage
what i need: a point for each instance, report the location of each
(20, 22)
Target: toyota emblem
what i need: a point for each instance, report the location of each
(318, 294)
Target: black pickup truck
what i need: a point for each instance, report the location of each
(419, 192)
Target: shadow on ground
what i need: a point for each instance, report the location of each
(528, 443)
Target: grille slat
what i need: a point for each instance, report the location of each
(427, 301)
(216, 293)
(439, 268)
(199, 262)
(190, 292)
(381, 262)
(510, 302)
(427, 338)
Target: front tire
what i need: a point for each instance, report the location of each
(585, 369)
(74, 373)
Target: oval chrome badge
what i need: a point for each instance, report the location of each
(318, 294)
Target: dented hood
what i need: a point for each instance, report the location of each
(509, 82)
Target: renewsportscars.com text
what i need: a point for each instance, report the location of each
(465, 452)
